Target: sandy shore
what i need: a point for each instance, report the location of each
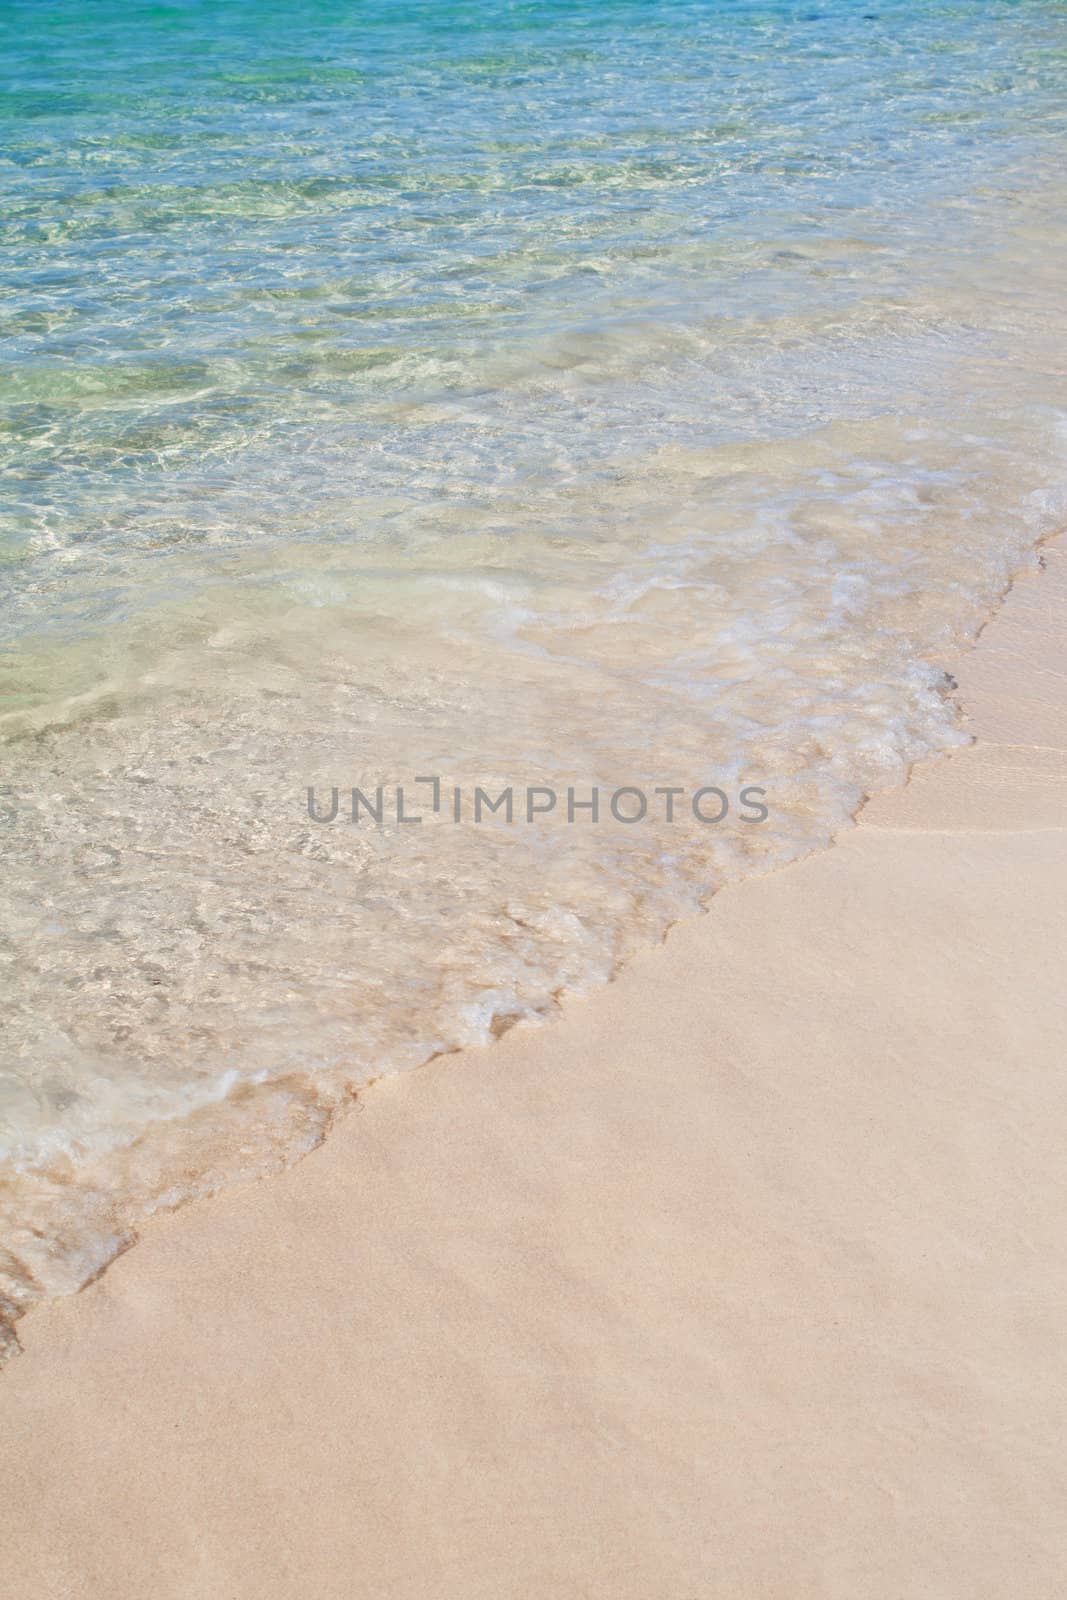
(747, 1278)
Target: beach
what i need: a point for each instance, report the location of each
(478, 482)
(532, 1323)
(533, 673)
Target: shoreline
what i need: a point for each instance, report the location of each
(742, 1277)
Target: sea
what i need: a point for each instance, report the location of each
(476, 477)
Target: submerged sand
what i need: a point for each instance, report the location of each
(747, 1278)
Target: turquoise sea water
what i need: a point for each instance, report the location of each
(591, 393)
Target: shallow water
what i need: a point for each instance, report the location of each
(523, 395)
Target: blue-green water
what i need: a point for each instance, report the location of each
(241, 241)
(570, 393)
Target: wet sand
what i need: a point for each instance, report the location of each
(746, 1278)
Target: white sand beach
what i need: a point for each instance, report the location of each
(786, 1320)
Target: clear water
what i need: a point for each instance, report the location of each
(646, 394)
